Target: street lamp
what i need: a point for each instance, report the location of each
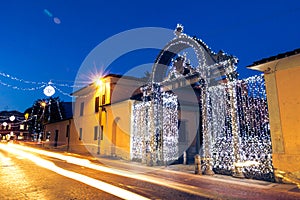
(43, 104)
(26, 116)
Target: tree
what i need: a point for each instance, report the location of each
(44, 111)
(146, 78)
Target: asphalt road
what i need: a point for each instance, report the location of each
(50, 177)
(21, 178)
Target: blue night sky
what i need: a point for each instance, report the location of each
(43, 40)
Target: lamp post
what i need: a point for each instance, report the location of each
(43, 105)
(99, 83)
(100, 130)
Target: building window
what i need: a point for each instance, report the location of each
(95, 132)
(103, 100)
(80, 133)
(81, 108)
(97, 104)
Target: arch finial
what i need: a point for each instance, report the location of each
(179, 30)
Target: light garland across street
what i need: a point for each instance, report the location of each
(48, 88)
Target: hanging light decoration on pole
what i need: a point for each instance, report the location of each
(49, 90)
(12, 118)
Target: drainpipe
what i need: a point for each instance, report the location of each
(100, 130)
(69, 134)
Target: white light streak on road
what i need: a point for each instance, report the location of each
(86, 163)
(5, 161)
(13, 177)
(111, 189)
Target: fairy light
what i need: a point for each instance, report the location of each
(48, 87)
(20, 80)
(253, 147)
(235, 120)
(58, 108)
(15, 120)
(20, 88)
(155, 127)
(209, 63)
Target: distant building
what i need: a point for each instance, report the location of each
(58, 133)
(13, 126)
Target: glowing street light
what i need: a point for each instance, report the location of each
(43, 104)
(26, 116)
(99, 82)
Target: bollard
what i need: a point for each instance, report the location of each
(184, 158)
(149, 160)
(198, 164)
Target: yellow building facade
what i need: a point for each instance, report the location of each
(63, 135)
(102, 115)
(282, 77)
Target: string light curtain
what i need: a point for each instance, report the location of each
(254, 142)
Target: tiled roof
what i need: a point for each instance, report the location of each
(272, 58)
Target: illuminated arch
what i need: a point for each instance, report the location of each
(206, 58)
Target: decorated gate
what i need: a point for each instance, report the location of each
(233, 136)
(249, 152)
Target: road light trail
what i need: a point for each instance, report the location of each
(16, 178)
(86, 163)
(108, 188)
